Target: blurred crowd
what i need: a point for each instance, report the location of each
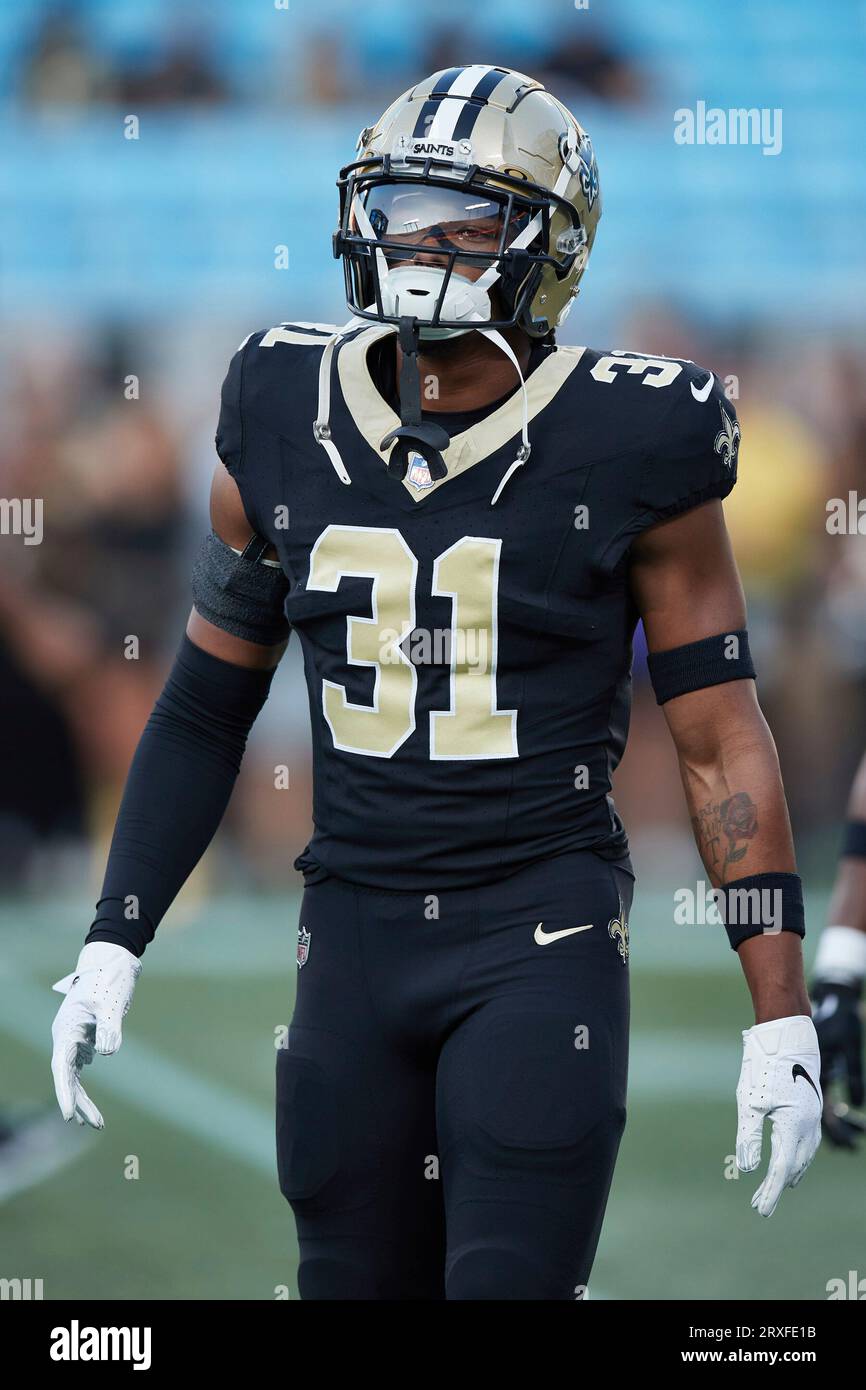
(183, 60)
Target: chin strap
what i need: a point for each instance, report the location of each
(414, 434)
(321, 424)
(525, 448)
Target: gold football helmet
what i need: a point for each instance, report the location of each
(473, 204)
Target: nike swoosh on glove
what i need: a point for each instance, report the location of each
(98, 995)
(779, 1078)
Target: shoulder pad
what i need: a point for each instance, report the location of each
(255, 385)
(299, 334)
(695, 448)
(681, 433)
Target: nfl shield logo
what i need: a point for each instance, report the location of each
(418, 473)
(303, 946)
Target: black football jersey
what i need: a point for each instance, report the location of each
(468, 661)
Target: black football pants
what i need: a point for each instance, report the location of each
(451, 1100)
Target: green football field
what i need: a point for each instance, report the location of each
(178, 1199)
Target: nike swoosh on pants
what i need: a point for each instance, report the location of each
(543, 938)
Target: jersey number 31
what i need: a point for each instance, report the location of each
(468, 574)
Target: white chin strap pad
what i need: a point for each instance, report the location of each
(414, 290)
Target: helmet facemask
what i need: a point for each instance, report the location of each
(431, 246)
(472, 205)
(436, 243)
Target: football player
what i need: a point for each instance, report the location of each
(462, 521)
(840, 966)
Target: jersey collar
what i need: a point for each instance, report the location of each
(374, 418)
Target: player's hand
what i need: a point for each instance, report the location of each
(98, 994)
(836, 1015)
(779, 1079)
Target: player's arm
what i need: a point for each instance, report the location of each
(840, 968)
(687, 590)
(225, 641)
(179, 784)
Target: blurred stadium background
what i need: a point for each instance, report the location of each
(129, 270)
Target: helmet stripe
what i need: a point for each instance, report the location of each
(488, 84)
(453, 82)
(468, 79)
(475, 102)
(444, 83)
(425, 116)
(467, 118)
(465, 123)
(447, 115)
(444, 116)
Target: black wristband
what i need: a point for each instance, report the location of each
(854, 840)
(712, 661)
(761, 905)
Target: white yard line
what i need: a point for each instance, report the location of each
(143, 1077)
(40, 1148)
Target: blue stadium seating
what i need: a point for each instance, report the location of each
(193, 210)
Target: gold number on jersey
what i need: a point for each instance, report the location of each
(383, 556)
(468, 574)
(660, 371)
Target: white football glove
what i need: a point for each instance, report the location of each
(779, 1078)
(98, 994)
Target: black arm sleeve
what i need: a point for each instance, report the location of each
(177, 790)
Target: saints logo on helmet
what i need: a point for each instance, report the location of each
(473, 205)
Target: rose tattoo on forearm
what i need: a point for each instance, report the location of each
(723, 830)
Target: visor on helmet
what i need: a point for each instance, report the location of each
(417, 221)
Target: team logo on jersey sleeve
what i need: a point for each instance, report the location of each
(727, 440)
(618, 931)
(418, 473)
(303, 946)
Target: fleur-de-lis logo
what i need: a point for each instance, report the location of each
(727, 440)
(588, 171)
(617, 930)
